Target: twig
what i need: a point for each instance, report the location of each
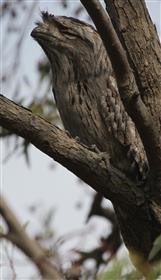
(11, 264)
(18, 236)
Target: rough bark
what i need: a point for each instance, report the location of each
(127, 84)
(138, 227)
(92, 167)
(142, 104)
(140, 40)
(138, 208)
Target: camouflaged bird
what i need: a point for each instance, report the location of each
(86, 92)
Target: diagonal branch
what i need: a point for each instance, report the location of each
(126, 83)
(19, 237)
(93, 168)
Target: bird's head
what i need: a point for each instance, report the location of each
(72, 46)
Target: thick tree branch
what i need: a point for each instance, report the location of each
(17, 235)
(93, 168)
(139, 37)
(126, 83)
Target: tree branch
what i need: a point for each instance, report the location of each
(93, 168)
(29, 247)
(139, 37)
(126, 83)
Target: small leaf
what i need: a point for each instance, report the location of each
(156, 248)
(1, 230)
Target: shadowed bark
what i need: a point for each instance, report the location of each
(141, 65)
(92, 167)
(136, 59)
(141, 42)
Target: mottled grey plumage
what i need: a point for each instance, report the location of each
(86, 93)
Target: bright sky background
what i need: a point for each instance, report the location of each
(23, 186)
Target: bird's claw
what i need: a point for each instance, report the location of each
(95, 149)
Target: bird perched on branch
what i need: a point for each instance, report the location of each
(86, 92)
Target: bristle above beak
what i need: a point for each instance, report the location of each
(46, 16)
(50, 18)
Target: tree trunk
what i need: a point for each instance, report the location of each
(138, 207)
(140, 224)
(140, 40)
